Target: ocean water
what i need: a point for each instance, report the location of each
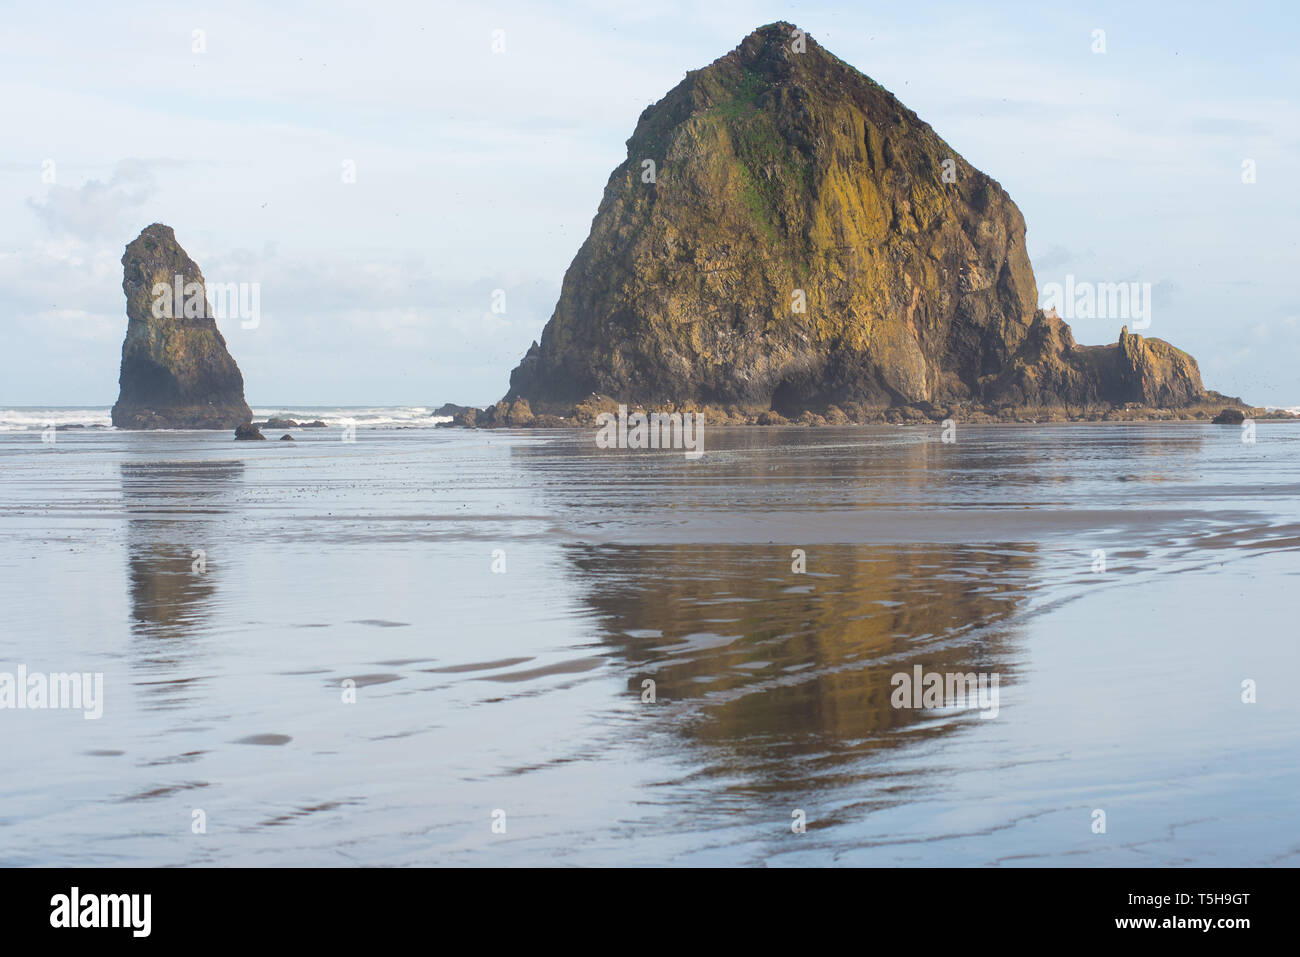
(433, 646)
(33, 419)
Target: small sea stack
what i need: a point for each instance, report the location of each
(176, 370)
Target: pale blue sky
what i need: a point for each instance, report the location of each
(478, 171)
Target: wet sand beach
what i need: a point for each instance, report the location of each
(495, 602)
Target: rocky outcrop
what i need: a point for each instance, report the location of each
(452, 409)
(176, 370)
(786, 237)
(248, 433)
(280, 422)
(1229, 417)
(1050, 369)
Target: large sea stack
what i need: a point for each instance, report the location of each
(176, 370)
(786, 235)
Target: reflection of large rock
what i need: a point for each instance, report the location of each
(786, 179)
(775, 665)
(176, 371)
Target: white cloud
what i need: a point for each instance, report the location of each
(96, 209)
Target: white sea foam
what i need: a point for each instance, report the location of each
(25, 419)
(366, 417)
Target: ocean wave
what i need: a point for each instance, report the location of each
(22, 419)
(365, 417)
(29, 419)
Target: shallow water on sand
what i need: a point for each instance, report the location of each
(521, 691)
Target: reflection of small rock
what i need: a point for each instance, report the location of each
(286, 438)
(248, 431)
(362, 681)
(1229, 417)
(268, 739)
